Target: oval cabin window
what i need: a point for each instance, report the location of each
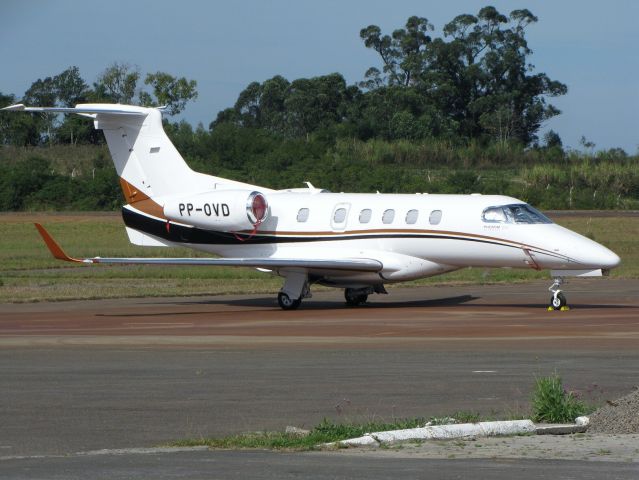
(435, 217)
(365, 215)
(302, 215)
(411, 217)
(340, 215)
(389, 216)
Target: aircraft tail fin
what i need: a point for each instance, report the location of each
(148, 164)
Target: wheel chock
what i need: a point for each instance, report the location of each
(564, 308)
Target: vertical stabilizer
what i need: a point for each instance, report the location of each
(148, 164)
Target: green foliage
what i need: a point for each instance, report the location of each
(477, 76)
(171, 92)
(453, 114)
(326, 432)
(38, 183)
(118, 83)
(83, 178)
(551, 403)
(402, 53)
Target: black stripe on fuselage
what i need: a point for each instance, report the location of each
(182, 234)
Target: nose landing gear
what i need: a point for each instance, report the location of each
(558, 300)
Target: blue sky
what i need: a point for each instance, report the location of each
(591, 46)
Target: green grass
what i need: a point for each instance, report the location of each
(29, 273)
(551, 403)
(326, 432)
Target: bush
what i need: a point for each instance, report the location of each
(552, 403)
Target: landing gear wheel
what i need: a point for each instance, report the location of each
(354, 298)
(286, 303)
(557, 302)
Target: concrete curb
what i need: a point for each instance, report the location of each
(560, 429)
(443, 432)
(580, 426)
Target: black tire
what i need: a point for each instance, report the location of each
(558, 302)
(353, 298)
(286, 303)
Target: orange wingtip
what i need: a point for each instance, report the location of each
(53, 246)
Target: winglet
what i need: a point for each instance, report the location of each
(53, 247)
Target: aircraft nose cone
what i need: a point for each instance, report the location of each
(591, 254)
(609, 259)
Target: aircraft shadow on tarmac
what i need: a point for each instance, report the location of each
(267, 303)
(456, 301)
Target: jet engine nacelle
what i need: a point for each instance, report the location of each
(225, 210)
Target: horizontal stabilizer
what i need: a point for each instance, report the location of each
(87, 109)
(348, 264)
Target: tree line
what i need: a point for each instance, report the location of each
(455, 113)
(118, 83)
(472, 83)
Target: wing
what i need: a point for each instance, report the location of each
(351, 264)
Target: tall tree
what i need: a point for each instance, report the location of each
(43, 92)
(118, 82)
(19, 130)
(401, 53)
(477, 76)
(70, 87)
(169, 91)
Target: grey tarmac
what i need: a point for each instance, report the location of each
(315, 466)
(130, 373)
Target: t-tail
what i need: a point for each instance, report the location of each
(146, 161)
(155, 179)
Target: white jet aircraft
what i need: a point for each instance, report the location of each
(358, 242)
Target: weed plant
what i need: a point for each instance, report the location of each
(552, 403)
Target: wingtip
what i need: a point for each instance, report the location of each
(53, 246)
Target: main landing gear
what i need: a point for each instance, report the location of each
(295, 288)
(356, 296)
(287, 303)
(558, 300)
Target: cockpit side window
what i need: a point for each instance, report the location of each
(494, 215)
(516, 213)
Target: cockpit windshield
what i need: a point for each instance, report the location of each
(517, 213)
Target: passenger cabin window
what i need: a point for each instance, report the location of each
(365, 215)
(517, 213)
(389, 216)
(411, 217)
(302, 215)
(435, 217)
(339, 216)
